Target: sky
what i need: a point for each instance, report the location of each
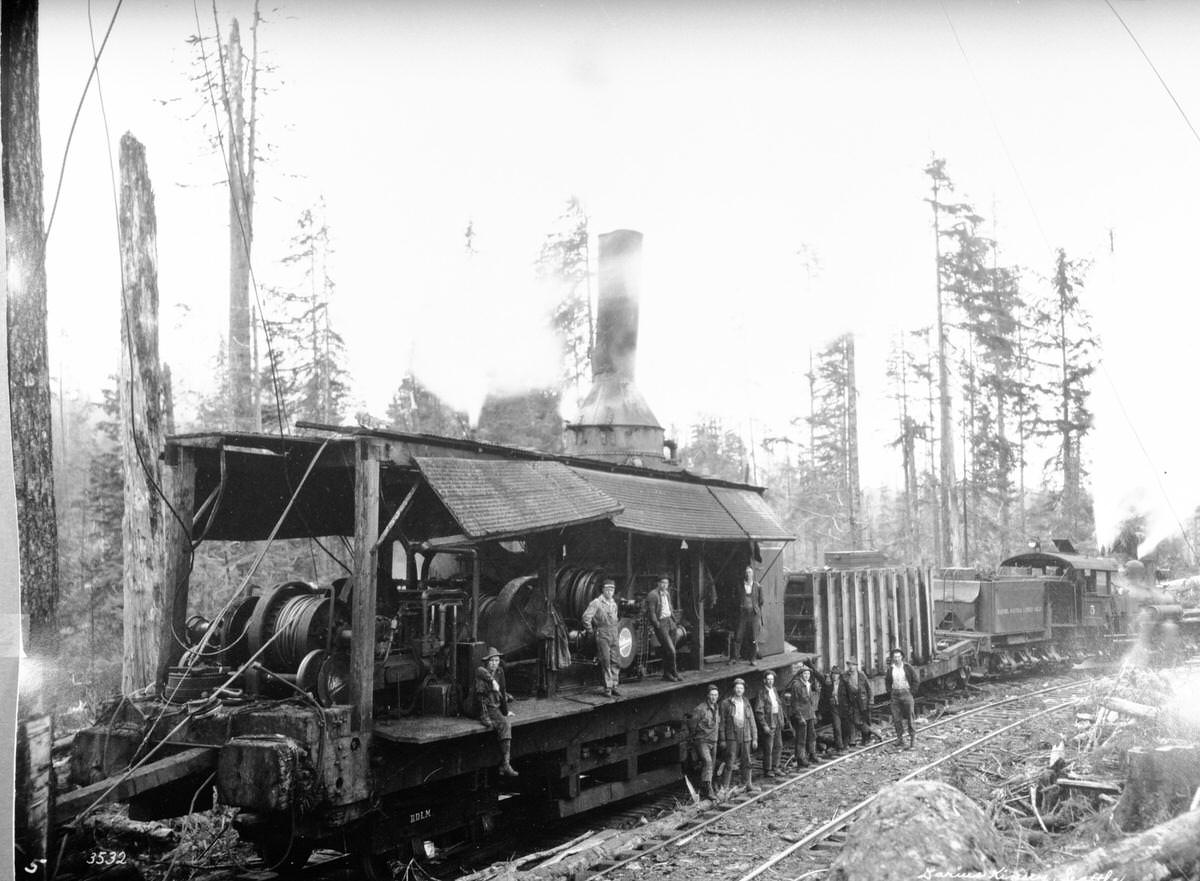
(771, 153)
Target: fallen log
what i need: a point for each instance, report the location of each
(1130, 708)
(1169, 850)
(918, 829)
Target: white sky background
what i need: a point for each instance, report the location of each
(732, 135)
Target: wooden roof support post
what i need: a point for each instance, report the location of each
(179, 480)
(366, 575)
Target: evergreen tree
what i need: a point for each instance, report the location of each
(417, 409)
(715, 450)
(1066, 342)
(306, 356)
(563, 262)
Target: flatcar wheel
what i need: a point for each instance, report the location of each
(283, 854)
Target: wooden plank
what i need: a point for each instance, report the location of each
(844, 614)
(929, 610)
(906, 641)
(893, 614)
(814, 585)
(862, 583)
(872, 662)
(832, 617)
(366, 573)
(150, 776)
(180, 488)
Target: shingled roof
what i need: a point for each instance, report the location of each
(492, 498)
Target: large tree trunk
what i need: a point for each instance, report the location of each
(141, 423)
(852, 444)
(28, 370)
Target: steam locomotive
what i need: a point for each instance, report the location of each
(340, 716)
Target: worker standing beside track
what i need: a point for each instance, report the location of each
(493, 706)
(703, 726)
(859, 687)
(602, 615)
(768, 710)
(804, 699)
(738, 734)
(901, 682)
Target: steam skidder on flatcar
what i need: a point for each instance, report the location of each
(339, 716)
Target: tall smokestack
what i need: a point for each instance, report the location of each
(617, 306)
(615, 423)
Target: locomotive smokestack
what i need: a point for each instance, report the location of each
(615, 423)
(617, 306)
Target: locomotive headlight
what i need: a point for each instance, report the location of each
(429, 849)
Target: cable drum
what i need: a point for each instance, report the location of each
(300, 615)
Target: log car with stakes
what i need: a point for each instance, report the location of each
(342, 716)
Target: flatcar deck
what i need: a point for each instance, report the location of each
(431, 729)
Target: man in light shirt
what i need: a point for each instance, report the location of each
(601, 615)
(901, 682)
(738, 734)
(660, 617)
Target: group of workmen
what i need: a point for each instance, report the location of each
(730, 730)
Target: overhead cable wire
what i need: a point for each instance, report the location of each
(996, 128)
(1154, 68)
(62, 171)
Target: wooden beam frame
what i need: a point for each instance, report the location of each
(366, 583)
(179, 488)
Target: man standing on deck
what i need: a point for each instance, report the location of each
(750, 603)
(901, 682)
(703, 726)
(660, 616)
(738, 734)
(601, 616)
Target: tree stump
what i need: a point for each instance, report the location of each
(918, 827)
(1160, 785)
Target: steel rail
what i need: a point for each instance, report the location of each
(841, 819)
(694, 828)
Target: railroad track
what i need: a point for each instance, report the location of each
(818, 846)
(826, 839)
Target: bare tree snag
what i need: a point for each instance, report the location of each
(916, 827)
(28, 370)
(241, 229)
(141, 422)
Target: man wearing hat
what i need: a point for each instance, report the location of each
(703, 725)
(601, 617)
(661, 618)
(493, 706)
(738, 733)
(836, 697)
(804, 699)
(859, 687)
(768, 710)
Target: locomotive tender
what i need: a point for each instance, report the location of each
(341, 716)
